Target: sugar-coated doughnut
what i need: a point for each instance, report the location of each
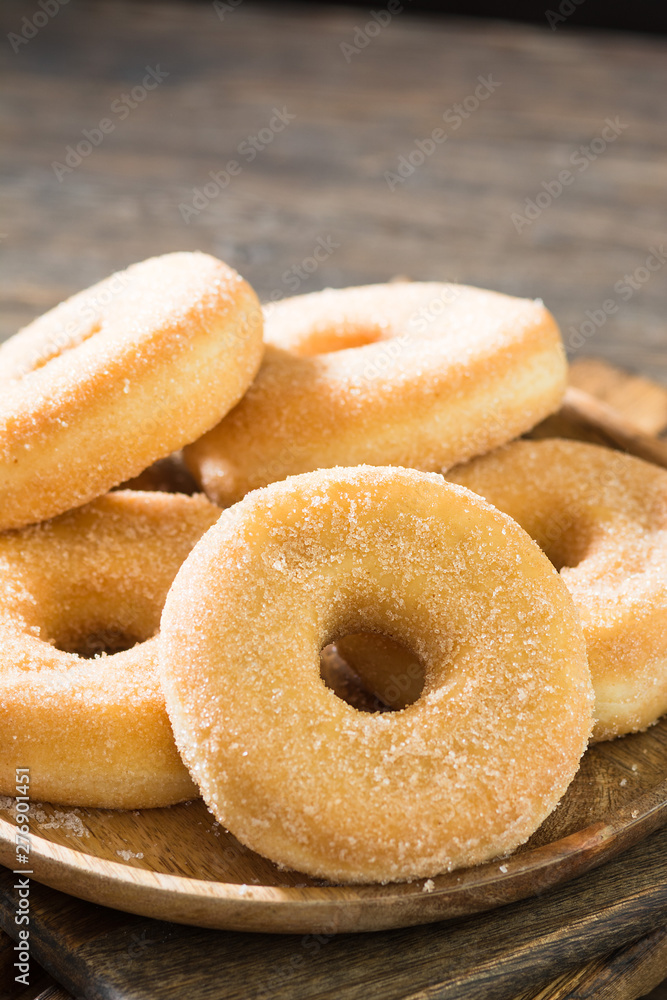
(92, 728)
(422, 375)
(601, 517)
(417, 374)
(120, 375)
(465, 773)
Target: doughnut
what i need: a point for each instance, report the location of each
(120, 375)
(422, 375)
(465, 773)
(92, 727)
(601, 517)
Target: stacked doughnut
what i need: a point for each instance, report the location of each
(109, 381)
(492, 602)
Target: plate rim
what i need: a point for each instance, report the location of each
(239, 906)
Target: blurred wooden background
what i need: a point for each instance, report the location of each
(320, 181)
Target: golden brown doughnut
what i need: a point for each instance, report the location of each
(601, 517)
(422, 375)
(465, 773)
(93, 731)
(120, 375)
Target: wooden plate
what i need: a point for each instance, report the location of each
(178, 864)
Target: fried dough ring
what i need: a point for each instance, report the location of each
(422, 375)
(469, 770)
(118, 376)
(601, 516)
(93, 731)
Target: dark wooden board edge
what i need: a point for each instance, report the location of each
(627, 973)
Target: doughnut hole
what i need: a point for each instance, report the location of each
(98, 640)
(167, 475)
(564, 537)
(91, 620)
(566, 527)
(372, 672)
(60, 345)
(340, 337)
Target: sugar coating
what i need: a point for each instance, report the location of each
(69, 821)
(602, 517)
(55, 819)
(93, 731)
(120, 375)
(422, 375)
(465, 773)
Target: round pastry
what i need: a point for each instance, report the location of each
(120, 375)
(601, 517)
(422, 375)
(465, 773)
(92, 727)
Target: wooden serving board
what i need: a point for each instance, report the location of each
(179, 864)
(625, 973)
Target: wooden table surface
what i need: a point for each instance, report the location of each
(316, 180)
(315, 127)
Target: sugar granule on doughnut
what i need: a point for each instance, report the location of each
(92, 727)
(601, 517)
(465, 773)
(422, 375)
(118, 376)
